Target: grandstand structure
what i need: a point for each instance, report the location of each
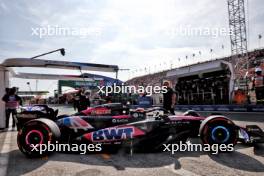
(210, 82)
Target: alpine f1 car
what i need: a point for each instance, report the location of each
(136, 130)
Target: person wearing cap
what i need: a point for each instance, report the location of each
(258, 85)
(169, 98)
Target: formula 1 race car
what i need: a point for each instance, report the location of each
(136, 130)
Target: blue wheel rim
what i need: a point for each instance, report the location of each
(223, 131)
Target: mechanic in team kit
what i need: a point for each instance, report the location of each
(169, 98)
(12, 102)
(81, 101)
(258, 85)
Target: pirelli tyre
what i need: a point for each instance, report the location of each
(35, 134)
(218, 130)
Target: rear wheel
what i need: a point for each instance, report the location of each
(35, 134)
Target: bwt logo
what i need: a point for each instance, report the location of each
(112, 134)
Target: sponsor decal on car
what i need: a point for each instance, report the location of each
(33, 108)
(114, 134)
(28, 116)
(100, 111)
(124, 120)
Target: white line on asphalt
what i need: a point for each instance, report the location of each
(180, 171)
(4, 154)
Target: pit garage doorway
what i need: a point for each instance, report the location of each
(204, 83)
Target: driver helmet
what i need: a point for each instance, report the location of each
(258, 71)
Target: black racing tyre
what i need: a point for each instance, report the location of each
(218, 130)
(37, 132)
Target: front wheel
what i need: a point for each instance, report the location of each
(218, 130)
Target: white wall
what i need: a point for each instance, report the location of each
(4, 82)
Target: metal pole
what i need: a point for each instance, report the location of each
(62, 50)
(116, 74)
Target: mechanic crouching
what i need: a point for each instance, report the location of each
(258, 85)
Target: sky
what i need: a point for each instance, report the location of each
(140, 35)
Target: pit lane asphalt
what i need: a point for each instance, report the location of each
(244, 161)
